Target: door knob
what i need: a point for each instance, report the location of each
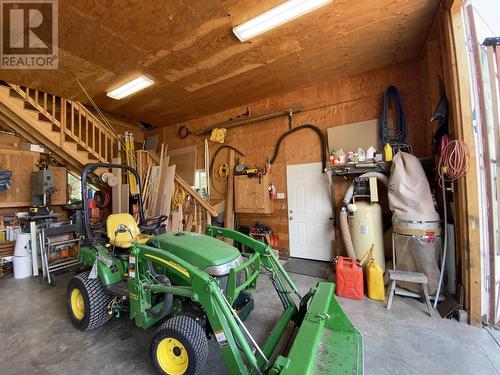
(291, 217)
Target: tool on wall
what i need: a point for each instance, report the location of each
(246, 121)
(42, 187)
(183, 132)
(301, 127)
(222, 171)
(218, 135)
(290, 114)
(240, 169)
(214, 156)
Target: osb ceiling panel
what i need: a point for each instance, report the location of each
(198, 65)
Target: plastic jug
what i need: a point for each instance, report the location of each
(387, 152)
(349, 278)
(361, 155)
(370, 153)
(374, 277)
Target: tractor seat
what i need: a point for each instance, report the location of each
(124, 239)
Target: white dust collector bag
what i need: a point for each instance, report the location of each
(410, 197)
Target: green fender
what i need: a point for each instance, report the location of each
(110, 270)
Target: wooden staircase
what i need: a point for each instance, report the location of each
(66, 128)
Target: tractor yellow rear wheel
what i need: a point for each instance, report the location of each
(179, 347)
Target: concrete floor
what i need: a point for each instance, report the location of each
(37, 337)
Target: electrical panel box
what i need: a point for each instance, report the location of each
(251, 195)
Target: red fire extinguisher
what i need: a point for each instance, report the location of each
(272, 191)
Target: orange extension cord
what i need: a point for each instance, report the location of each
(453, 163)
(453, 160)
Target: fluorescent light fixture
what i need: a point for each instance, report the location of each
(276, 16)
(131, 87)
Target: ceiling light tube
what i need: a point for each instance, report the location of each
(276, 16)
(131, 87)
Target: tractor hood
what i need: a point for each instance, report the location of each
(202, 251)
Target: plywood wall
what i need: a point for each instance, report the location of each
(337, 102)
(21, 164)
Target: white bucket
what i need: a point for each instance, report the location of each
(22, 245)
(22, 267)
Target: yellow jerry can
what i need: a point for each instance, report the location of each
(374, 277)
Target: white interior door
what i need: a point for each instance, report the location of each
(309, 211)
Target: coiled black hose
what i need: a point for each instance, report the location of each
(398, 133)
(300, 127)
(211, 171)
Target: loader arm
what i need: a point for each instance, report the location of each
(326, 342)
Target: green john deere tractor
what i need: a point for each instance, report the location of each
(195, 287)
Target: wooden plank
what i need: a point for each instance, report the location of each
(157, 183)
(162, 178)
(185, 161)
(196, 196)
(481, 121)
(151, 190)
(494, 78)
(189, 223)
(168, 190)
(458, 84)
(176, 219)
(125, 199)
(229, 212)
(116, 191)
(72, 117)
(207, 167)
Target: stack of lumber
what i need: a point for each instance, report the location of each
(164, 192)
(7, 248)
(6, 251)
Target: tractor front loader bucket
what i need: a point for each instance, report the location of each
(326, 342)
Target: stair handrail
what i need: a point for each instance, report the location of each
(79, 107)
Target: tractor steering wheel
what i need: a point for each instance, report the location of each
(156, 222)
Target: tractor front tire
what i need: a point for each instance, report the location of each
(179, 346)
(87, 302)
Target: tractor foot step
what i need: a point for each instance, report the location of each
(119, 289)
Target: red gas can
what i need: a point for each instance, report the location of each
(349, 278)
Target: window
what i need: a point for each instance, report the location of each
(200, 182)
(75, 187)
